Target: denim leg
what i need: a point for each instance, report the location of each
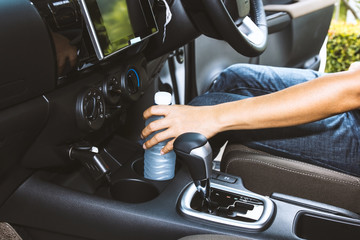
(332, 143)
(255, 80)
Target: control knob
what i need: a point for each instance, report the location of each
(90, 109)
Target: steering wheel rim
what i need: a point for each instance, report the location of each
(250, 38)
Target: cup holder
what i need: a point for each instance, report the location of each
(133, 191)
(138, 167)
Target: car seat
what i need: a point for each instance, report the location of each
(266, 174)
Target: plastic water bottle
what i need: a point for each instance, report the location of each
(156, 166)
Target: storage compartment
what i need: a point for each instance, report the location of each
(133, 191)
(311, 226)
(129, 185)
(125, 180)
(138, 167)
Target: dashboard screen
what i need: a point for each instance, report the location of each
(114, 25)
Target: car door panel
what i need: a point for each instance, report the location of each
(277, 21)
(304, 45)
(300, 41)
(298, 8)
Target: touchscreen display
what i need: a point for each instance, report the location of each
(116, 24)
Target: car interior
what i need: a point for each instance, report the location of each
(75, 79)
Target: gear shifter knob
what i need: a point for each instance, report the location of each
(194, 150)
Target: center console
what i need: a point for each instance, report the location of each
(130, 206)
(224, 205)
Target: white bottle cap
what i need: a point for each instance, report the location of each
(162, 98)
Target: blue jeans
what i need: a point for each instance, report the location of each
(331, 143)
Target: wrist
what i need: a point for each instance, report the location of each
(223, 118)
(232, 116)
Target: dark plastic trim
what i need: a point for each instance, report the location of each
(27, 56)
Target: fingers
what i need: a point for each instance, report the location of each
(156, 110)
(168, 147)
(160, 124)
(159, 137)
(177, 119)
(153, 127)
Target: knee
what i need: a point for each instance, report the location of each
(235, 76)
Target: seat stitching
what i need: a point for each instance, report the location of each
(293, 171)
(310, 165)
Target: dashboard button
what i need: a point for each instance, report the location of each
(226, 179)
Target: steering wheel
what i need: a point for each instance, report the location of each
(247, 35)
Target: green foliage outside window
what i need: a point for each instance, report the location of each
(343, 47)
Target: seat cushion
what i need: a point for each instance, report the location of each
(265, 174)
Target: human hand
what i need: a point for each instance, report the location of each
(178, 119)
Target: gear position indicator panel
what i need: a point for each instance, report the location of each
(234, 206)
(229, 206)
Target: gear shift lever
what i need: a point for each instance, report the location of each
(194, 150)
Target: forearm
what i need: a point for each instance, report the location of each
(307, 102)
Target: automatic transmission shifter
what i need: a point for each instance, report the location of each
(194, 150)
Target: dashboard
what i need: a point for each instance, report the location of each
(87, 100)
(53, 69)
(98, 29)
(95, 32)
(105, 37)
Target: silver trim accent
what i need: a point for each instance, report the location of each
(204, 152)
(100, 164)
(69, 153)
(94, 150)
(268, 208)
(91, 29)
(46, 99)
(249, 30)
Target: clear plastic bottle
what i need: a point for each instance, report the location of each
(156, 166)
